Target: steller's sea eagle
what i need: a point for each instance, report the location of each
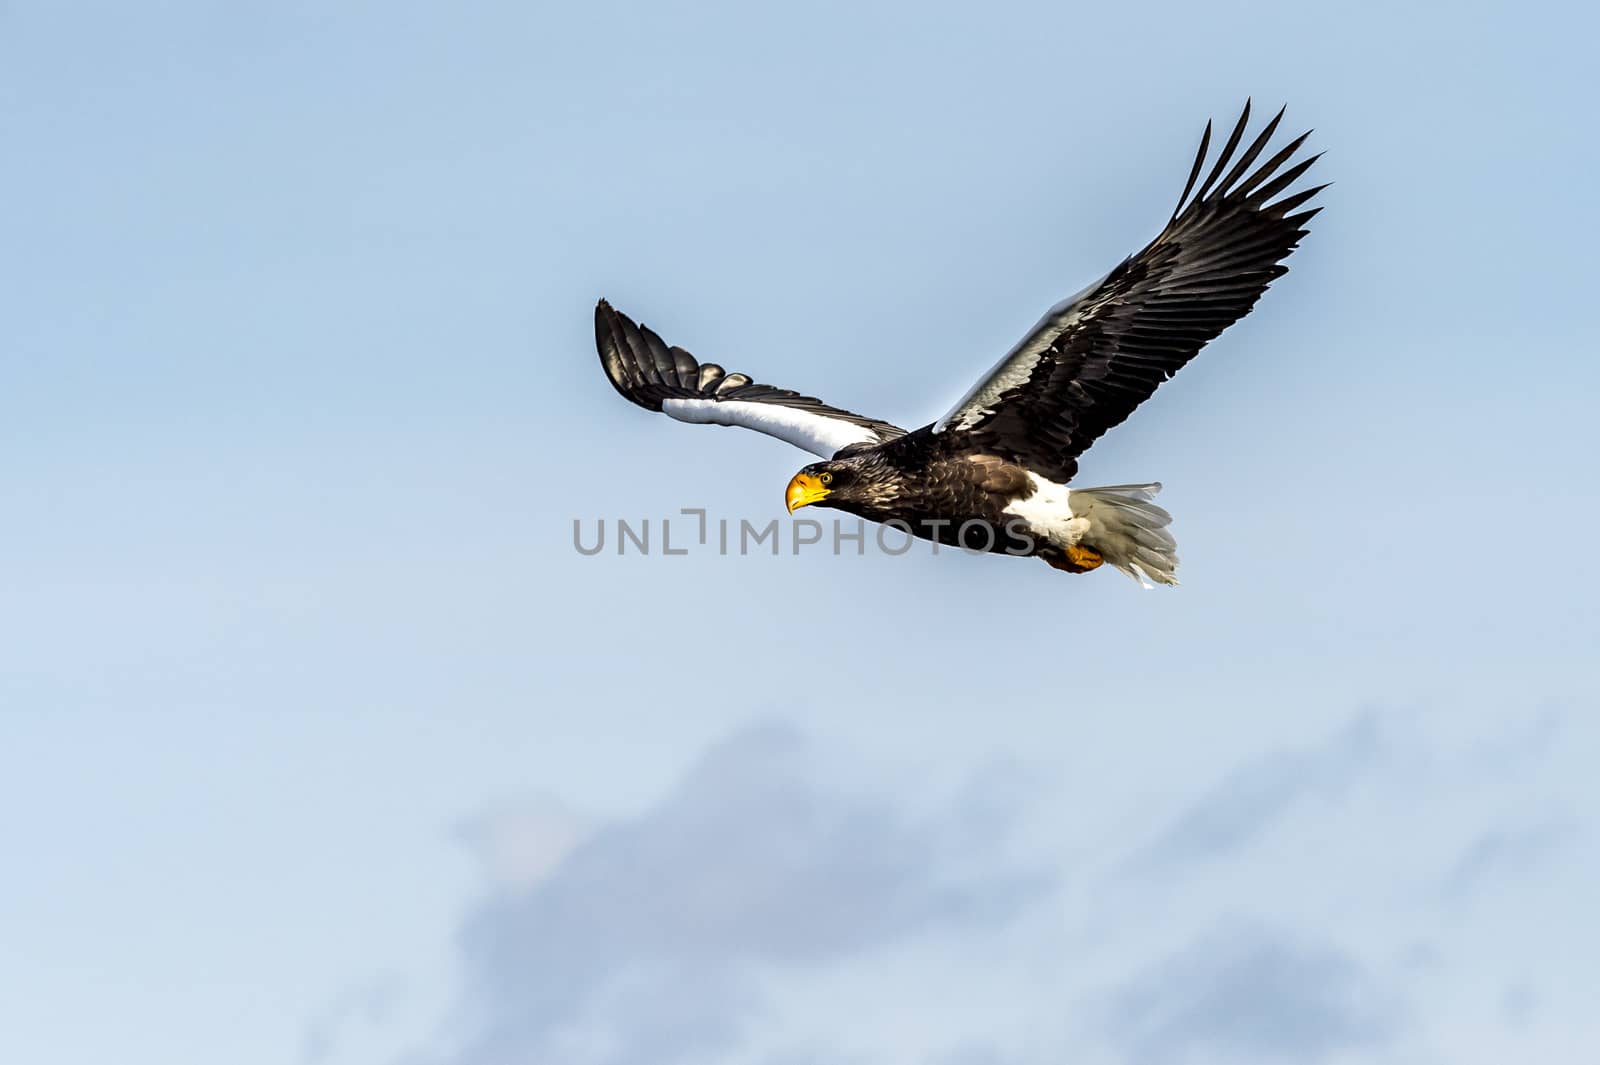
(992, 474)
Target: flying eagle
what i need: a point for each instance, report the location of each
(992, 474)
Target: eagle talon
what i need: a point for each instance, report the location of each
(1078, 559)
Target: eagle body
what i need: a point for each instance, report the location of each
(993, 473)
(917, 482)
(980, 502)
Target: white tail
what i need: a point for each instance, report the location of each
(1127, 527)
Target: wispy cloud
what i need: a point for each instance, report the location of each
(1250, 993)
(1252, 798)
(645, 942)
(365, 1006)
(1499, 851)
(773, 909)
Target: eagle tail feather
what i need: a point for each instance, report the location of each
(1129, 530)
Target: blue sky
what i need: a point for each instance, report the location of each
(318, 742)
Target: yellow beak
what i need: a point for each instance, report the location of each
(803, 491)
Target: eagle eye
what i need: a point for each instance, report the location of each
(826, 478)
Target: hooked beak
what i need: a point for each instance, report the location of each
(804, 490)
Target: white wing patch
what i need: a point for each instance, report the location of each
(1048, 513)
(816, 433)
(1016, 367)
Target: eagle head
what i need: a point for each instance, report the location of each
(838, 482)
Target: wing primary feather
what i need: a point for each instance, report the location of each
(1289, 203)
(666, 367)
(1251, 152)
(687, 369)
(605, 339)
(1298, 220)
(1194, 171)
(710, 374)
(1227, 152)
(1267, 168)
(1282, 181)
(644, 363)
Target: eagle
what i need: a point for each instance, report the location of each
(993, 473)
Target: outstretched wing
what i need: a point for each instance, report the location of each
(1097, 356)
(641, 366)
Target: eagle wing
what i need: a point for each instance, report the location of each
(1095, 357)
(670, 380)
